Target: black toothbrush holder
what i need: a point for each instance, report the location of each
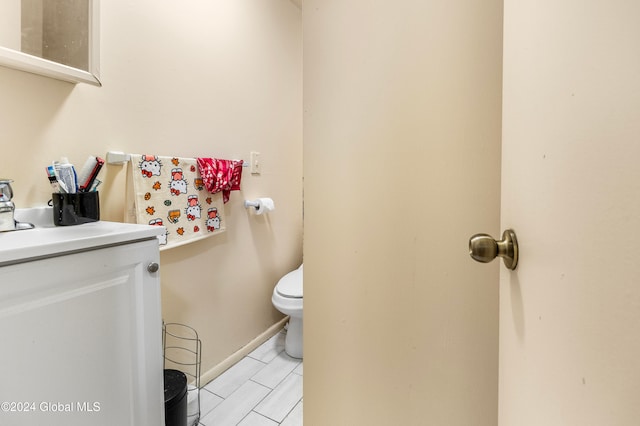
(75, 208)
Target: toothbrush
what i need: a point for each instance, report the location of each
(53, 180)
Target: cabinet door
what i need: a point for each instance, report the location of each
(82, 339)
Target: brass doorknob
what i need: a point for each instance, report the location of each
(483, 248)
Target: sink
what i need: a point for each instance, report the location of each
(41, 217)
(48, 240)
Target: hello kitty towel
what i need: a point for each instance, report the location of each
(169, 192)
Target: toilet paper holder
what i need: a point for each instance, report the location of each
(249, 203)
(260, 205)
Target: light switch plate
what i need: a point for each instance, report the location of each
(256, 165)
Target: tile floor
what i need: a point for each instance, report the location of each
(262, 389)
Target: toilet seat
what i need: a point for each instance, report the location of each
(290, 286)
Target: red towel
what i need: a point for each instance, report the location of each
(220, 175)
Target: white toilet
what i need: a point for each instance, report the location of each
(287, 298)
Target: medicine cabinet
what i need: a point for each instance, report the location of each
(57, 39)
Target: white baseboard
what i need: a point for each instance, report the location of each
(217, 370)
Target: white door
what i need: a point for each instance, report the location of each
(570, 313)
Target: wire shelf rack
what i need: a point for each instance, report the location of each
(182, 350)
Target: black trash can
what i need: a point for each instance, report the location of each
(175, 398)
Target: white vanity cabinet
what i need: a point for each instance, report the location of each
(81, 328)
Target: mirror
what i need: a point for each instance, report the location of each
(58, 39)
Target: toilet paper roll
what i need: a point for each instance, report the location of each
(265, 205)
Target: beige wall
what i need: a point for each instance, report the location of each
(198, 79)
(402, 166)
(570, 313)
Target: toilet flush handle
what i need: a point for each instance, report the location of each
(483, 248)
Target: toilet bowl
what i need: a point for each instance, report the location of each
(287, 298)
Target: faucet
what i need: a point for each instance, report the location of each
(8, 221)
(7, 208)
